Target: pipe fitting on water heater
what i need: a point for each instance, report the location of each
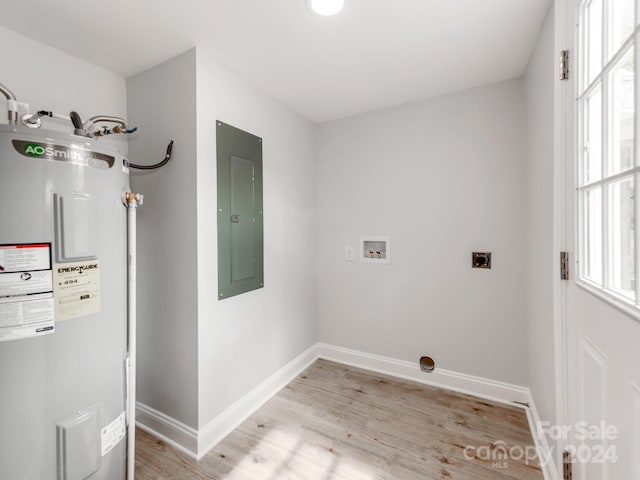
(133, 200)
(13, 106)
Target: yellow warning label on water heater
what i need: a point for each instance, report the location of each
(76, 289)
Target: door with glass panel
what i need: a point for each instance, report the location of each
(602, 313)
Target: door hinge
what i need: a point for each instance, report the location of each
(567, 466)
(564, 265)
(564, 65)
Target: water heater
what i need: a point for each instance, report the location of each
(63, 305)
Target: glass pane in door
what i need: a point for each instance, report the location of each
(622, 21)
(592, 234)
(593, 40)
(622, 115)
(622, 237)
(592, 148)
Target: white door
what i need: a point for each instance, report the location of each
(601, 321)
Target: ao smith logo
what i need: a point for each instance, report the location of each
(78, 268)
(71, 154)
(34, 150)
(49, 151)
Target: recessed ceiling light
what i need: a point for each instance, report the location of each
(325, 7)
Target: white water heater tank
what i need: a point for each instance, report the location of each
(63, 306)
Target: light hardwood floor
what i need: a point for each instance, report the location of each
(337, 422)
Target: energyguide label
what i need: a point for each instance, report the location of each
(76, 288)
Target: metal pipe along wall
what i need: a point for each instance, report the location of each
(133, 200)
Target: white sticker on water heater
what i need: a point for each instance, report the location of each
(25, 283)
(112, 434)
(76, 289)
(26, 316)
(25, 257)
(26, 300)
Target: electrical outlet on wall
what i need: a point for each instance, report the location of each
(349, 254)
(481, 260)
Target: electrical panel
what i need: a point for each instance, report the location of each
(240, 213)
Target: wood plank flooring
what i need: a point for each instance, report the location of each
(336, 422)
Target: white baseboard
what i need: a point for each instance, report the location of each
(545, 453)
(232, 417)
(197, 443)
(458, 382)
(180, 436)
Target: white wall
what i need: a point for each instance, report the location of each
(442, 178)
(49, 79)
(198, 355)
(162, 102)
(539, 91)
(244, 339)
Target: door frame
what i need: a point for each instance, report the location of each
(563, 168)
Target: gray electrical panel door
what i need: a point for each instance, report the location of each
(240, 215)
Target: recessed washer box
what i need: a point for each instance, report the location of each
(375, 249)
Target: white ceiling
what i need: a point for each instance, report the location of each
(374, 54)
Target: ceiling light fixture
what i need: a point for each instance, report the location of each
(325, 7)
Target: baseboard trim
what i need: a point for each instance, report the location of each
(545, 453)
(197, 443)
(180, 436)
(232, 417)
(458, 382)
